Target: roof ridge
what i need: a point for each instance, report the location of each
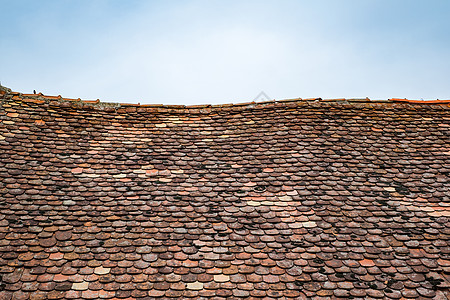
(42, 97)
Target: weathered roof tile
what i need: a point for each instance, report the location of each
(296, 199)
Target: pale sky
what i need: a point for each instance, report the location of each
(208, 51)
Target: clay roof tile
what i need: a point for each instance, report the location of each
(295, 198)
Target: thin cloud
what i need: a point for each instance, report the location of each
(218, 52)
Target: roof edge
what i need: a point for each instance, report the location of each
(41, 98)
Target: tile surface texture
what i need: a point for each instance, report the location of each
(298, 199)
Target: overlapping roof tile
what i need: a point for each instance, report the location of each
(295, 199)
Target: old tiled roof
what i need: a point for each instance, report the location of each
(293, 199)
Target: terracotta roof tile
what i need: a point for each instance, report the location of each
(294, 199)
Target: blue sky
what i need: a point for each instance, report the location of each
(208, 51)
